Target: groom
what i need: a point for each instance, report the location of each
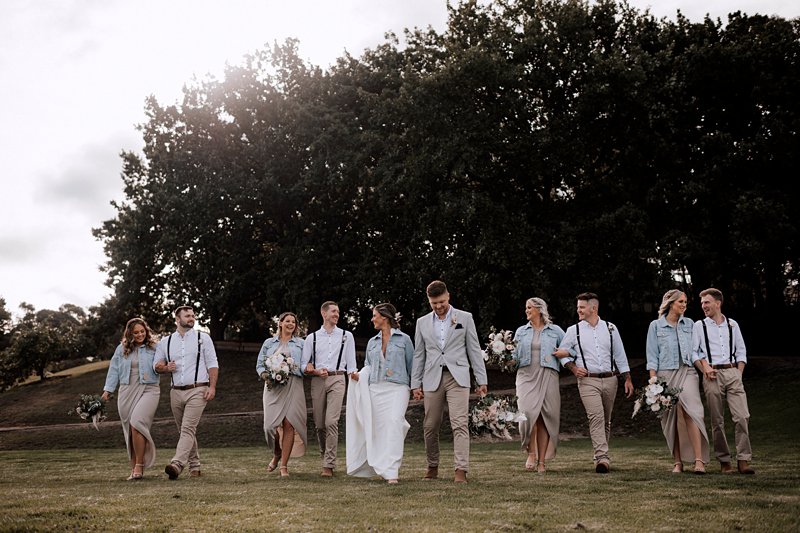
(446, 345)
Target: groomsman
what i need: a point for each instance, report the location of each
(190, 358)
(719, 339)
(328, 354)
(594, 353)
(446, 345)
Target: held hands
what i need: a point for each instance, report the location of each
(354, 376)
(417, 394)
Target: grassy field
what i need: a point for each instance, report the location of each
(72, 477)
(74, 490)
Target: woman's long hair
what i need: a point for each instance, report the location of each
(127, 336)
(670, 297)
(541, 305)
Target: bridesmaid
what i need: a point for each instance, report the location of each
(131, 368)
(538, 394)
(285, 413)
(669, 355)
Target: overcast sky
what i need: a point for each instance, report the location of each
(75, 74)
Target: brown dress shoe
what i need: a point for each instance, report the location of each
(744, 468)
(327, 472)
(725, 468)
(432, 473)
(195, 473)
(173, 470)
(602, 467)
(461, 476)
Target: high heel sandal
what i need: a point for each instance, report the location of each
(134, 475)
(540, 467)
(699, 467)
(530, 466)
(284, 471)
(272, 464)
(677, 468)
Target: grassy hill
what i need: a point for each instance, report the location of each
(35, 416)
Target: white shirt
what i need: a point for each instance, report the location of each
(183, 351)
(719, 342)
(328, 347)
(596, 347)
(441, 326)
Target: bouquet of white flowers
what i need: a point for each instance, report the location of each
(90, 408)
(279, 367)
(499, 349)
(494, 415)
(656, 397)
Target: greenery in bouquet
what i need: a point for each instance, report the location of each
(495, 415)
(656, 397)
(91, 408)
(500, 349)
(279, 367)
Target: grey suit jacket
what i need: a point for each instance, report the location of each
(461, 350)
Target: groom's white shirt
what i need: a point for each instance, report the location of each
(461, 350)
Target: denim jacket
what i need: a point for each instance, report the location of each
(119, 370)
(271, 345)
(399, 357)
(662, 344)
(550, 339)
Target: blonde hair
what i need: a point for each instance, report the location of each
(670, 297)
(541, 305)
(283, 315)
(127, 336)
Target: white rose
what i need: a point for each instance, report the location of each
(498, 346)
(655, 407)
(510, 347)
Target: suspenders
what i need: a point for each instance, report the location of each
(196, 366)
(610, 340)
(731, 349)
(341, 350)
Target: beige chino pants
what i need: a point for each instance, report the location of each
(187, 408)
(728, 386)
(457, 399)
(327, 396)
(597, 395)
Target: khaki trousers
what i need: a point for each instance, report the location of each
(597, 395)
(327, 395)
(728, 385)
(187, 408)
(457, 398)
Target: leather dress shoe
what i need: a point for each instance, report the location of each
(461, 476)
(327, 472)
(602, 467)
(195, 473)
(725, 468)
(432, 473)
(173, 470)
(744, 468)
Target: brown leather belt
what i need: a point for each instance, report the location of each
(603, 375)
(332, 373)
(720, 367)
(188, 387)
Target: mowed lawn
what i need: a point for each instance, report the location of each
(83, 488)
(74, 490)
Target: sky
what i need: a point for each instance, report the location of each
(74, 75)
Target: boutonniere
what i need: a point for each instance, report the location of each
(453, 319)
(610, 326)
